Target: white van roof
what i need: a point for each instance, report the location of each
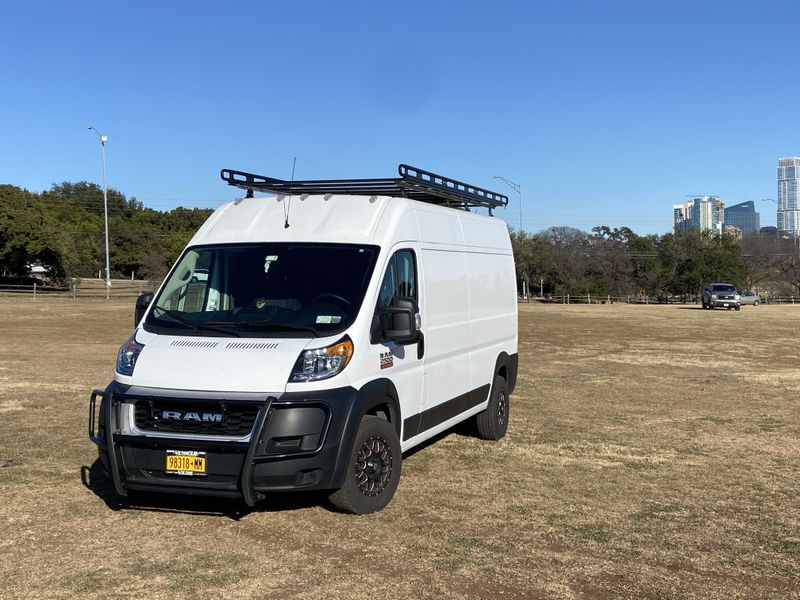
(417, 205)
(377, 220)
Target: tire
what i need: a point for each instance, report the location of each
(493, 422)
(755, 302)
(373, 471)
(738, 308)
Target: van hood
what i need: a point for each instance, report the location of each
(216, 364)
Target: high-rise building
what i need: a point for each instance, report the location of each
(788, 206)
(743, 216)
(680, 217)
(706, 213)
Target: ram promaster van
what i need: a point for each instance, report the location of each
(305, 340)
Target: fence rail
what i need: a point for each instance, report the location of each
(94, 289)
(607, 299)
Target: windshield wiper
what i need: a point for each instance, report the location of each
(196, 326)
(269, 325)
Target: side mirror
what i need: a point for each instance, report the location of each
(143, 300)
(399, 321)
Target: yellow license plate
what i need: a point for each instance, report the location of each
(186, 462)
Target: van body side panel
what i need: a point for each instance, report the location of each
(449, 329)
(493, 313)
(470, 309)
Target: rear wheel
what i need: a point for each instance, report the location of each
(373, 471)
(493, 422)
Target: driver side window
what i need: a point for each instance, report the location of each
(400, 278)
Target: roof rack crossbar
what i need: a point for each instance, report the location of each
(413, 183)
(414, 178)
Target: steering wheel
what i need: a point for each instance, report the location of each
(342, 300)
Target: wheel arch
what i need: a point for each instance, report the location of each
(506, 366)
(380, 396)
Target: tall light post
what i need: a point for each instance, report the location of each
(517, 188)
(103, 139)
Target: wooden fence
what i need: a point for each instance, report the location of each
(82, 290)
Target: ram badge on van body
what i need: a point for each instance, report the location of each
(304, 341)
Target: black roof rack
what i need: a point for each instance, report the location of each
(413, 183)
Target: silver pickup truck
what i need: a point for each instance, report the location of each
(724, 295)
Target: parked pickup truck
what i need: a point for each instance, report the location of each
(722, 295)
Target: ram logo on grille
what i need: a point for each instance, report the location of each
(198, 417)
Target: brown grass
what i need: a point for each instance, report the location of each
(653, 453)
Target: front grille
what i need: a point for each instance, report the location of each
(201, 417)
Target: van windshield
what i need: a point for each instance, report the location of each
(264, 290)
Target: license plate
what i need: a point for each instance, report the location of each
(185, 462)
(725, 305)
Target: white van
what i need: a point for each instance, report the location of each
(335, 326)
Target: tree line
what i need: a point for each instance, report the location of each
(618, 262)
(63, 229)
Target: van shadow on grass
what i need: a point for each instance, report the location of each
(98, 481)
(468, 428)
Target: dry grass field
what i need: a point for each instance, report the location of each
(653, 452)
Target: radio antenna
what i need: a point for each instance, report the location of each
(289, 202)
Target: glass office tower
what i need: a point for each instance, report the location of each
(743, 216)
(788, 206)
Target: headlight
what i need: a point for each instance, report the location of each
(713, 296)
(127, 355)
(313, 365)
(736, 297)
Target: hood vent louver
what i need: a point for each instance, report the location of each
(193, 344)
(251, 345)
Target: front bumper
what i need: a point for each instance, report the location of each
(723, 303)
(297, 442)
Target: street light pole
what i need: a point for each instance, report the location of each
(103, 139)
(517, 188)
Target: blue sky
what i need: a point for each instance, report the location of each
(606, 113)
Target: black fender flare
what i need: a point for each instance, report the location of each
(382, 391)
(372, 394)
(510, 362)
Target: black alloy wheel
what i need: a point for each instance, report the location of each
(373, 472)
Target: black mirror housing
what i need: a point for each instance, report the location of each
(399, 321)
(143, 301)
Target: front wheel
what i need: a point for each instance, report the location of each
(755, 303)
(374, 469)
(493, 422)
(738, 308)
